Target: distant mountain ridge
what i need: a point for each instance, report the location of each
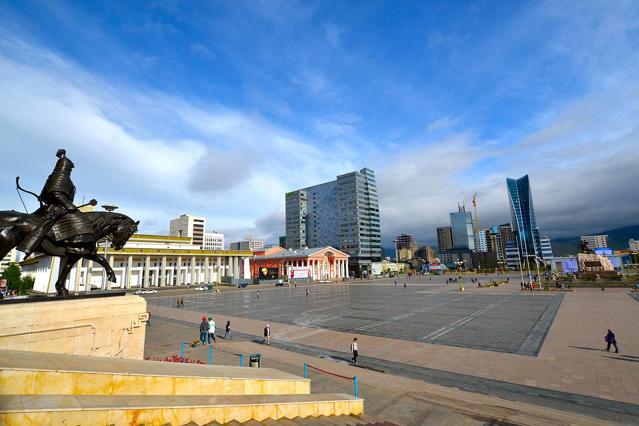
(617, 239)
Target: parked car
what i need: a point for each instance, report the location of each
(201, 288)
(145, 291)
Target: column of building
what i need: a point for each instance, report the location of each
(163, 272)
(178, 271)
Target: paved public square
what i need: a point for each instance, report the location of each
(544, 348)
(425, 311)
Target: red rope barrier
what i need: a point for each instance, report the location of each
(328, 372)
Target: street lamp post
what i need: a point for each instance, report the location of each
(460, 264)
(105, 282)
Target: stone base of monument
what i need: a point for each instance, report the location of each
(82, 325)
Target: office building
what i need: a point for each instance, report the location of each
(282, 241)
(343, 213)
(506, 235)
(425, 253)
(189, 226)
(213, 241)
(595, 241)
(546, 248)
(461, 223)
(481, 242)
(359, 223)
(296, 205)
(248, 244)
(512, 254)
(444, 238)
(633, 244)
(322, 215)
(493, 243)
(406, 247)
(522, 212)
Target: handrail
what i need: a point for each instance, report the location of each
(354, 378)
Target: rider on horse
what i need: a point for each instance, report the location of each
(62, 219)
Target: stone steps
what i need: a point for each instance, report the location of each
(57, 389)
(176, 410)
(30, 373)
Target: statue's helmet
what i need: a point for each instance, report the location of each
(64, 165)
(61, 153)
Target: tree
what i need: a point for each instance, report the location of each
(14, 280)
(12, 275)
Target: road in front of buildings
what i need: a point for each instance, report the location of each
(426, 310)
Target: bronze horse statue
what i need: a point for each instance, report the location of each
(116, 227)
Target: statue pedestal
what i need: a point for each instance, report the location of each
(98, 326)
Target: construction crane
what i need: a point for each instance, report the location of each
(475, 215)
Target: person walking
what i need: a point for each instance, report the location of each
(308, 292)
(227, 331)
(395, 283)
(354, 350)
(211, 330)
(181, 303)
(258, 294)
(611, 340)
(267, 334)
(177, 303)
(404, 285)
(204, 329)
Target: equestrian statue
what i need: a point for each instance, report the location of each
(59, 228)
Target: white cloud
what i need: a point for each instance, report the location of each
(442, 123)
(227, 165)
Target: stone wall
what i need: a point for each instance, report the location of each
(107, 326)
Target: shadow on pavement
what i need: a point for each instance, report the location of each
(622, 359)
(587, 349)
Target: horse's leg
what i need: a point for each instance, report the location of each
(66, 263)
(101, 260)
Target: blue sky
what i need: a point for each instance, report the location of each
(219, 108)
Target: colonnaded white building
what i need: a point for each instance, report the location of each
(145, 261)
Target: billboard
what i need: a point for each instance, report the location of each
(601, 251)
(299, 273)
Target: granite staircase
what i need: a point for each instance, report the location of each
(55, 389)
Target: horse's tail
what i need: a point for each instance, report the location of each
(13, 228)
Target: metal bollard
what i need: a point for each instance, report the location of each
(355, 387)
(210, 355)
(305, 370)
(241, 360)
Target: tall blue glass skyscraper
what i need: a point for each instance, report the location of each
(523, 216)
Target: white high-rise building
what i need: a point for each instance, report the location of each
(189, 226)
(213, 241)
(481, 242)
(595, 241)
(11, 257)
